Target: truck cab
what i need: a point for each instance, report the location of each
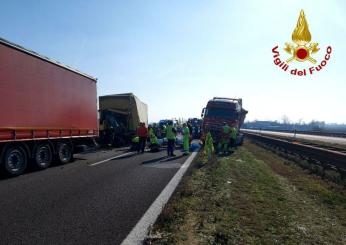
(219, 111)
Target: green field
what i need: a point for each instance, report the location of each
(252, 197)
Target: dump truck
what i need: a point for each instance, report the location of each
(221, 110)
(48, 109)
(119, 116)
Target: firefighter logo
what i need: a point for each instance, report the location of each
(302, 48)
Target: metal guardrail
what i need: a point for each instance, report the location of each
(319, 133)
(332, 158)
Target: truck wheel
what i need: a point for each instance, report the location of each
(43, 156)
(64, 152)
(241, 140)
(15, 161)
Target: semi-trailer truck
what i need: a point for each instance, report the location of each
(219, 111)
(47, 108)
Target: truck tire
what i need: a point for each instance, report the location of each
(43, 156)
(15, 160)
(240, 141)
(64, 152)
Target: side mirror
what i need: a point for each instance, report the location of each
(203, 111)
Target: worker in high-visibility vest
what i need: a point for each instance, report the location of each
(208, 145)
(170, 135)
(164, 128)
(150, 130)
(135, 143)
(225, 138)
(186, 139)
(233, 137)
(154, 144)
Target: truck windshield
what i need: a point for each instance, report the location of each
(221, 112)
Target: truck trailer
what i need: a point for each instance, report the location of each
(219, 111)
(120, 115)
(47, 108)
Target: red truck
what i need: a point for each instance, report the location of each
(220, 110)
(47, 108)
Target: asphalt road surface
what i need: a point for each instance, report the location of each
(84, 202)
(326, 139)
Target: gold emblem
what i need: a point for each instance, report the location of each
(301, 49)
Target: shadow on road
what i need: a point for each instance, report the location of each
(173, 158)
(124, 157)
(31, 168)
(154, 160)
(80, 158)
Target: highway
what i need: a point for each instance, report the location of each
(325, 139)
(89, 201)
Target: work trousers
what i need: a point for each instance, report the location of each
(170, 147)
(232, 142)
(141, 144)
(208, 150)
(223, 145)
(186, 144)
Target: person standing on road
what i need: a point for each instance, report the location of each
(233, 137)
(208, 146)
(226, 133)
(135, 143)
(154, 144)
(170, 135)
(150, 132)
(163, 130)
(142, 133)
(189, 125)
(186, 139)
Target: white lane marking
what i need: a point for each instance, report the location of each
(163, 165)
(139, 232)
(109, 159)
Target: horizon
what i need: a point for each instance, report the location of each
(175, 57)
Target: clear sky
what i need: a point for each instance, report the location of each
(176, 55)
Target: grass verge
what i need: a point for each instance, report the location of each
(252, 197)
